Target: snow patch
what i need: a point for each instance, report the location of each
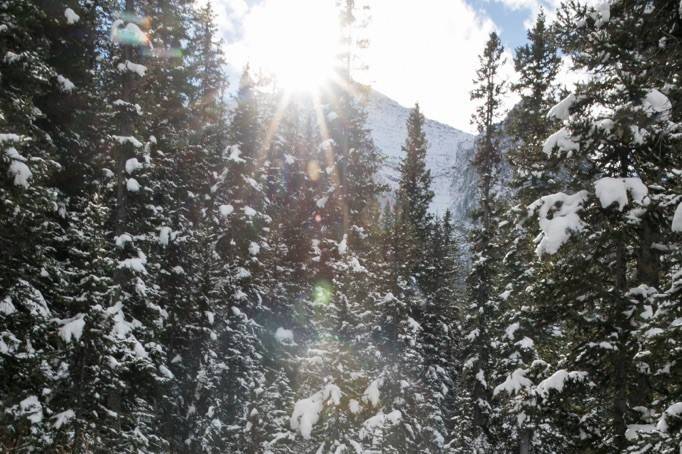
(307, 411)
(136, 68)
(615, 190)
(674, 411)
(254, 248)
(556, 231)
(122, 140)
(11, 57)
(65, 84)
(372, 394)
(343, 245)
(32, 299)
(514, 383)
(62, 418)
(128, 34)
(602, 13)
(562, 140)
(379, 420)
(32, 409)
(136, 264)
(560, 111)
(235, 154)
(655, 102)
(321, 202)
(413, 324)
(71, 16)
(558, 380)
(132, 185)
(354, 406)
(72, 328)
(122, 239)
(164, 235)
(677, 219)
(6, 306)
(327, 146)
(166, 372)
(284, 336)
(20, 172)
(510, 330)
(633, 430)
(11, 137)
(132, 165)
(225, 210)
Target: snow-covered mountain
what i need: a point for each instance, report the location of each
(449, 155)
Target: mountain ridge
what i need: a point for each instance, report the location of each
(449, 155)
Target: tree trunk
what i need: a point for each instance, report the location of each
(621, 359)
(525, 437)
(647, 259)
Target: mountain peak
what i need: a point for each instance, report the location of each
(448, 157)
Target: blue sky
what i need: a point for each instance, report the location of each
(510, 21)
(420, 50)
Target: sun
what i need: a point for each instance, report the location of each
(294, 41)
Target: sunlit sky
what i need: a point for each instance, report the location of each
(419, 50)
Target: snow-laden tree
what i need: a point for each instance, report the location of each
(482, 306)
(605, 235)
(519, 333)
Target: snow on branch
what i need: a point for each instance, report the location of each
(677, 219)
(307, 411)
(558, 380)
(71, 328)
(564, 220)
(560, 110)
(561, 140)
(71, 16)
(18, 169)
(378, 421)
(372, 394)
(136, 68)
(655, 102)
(615, 190)
(514, 383)
(128, 34)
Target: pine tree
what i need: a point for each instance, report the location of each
(537, 63)
(47, 104)
(620, 153)
(413, 220)
(481, 312)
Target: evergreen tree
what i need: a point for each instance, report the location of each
(482, 310)
(619, 152)
(517, 355)
(413, 221)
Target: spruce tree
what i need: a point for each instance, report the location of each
(617, 139)
(537, 64)
(413, 221)
(482, 310)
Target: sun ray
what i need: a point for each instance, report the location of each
(272, 128)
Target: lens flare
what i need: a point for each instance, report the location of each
(322, 293)
(314, 170)
(126, 30)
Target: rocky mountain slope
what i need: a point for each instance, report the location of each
(449, 155)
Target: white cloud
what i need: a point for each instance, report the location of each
(427, 51)
(228, 13)
(422, 51)
(296, 40)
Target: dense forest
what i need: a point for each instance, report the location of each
(191, 264)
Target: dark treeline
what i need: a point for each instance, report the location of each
(183, 274)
